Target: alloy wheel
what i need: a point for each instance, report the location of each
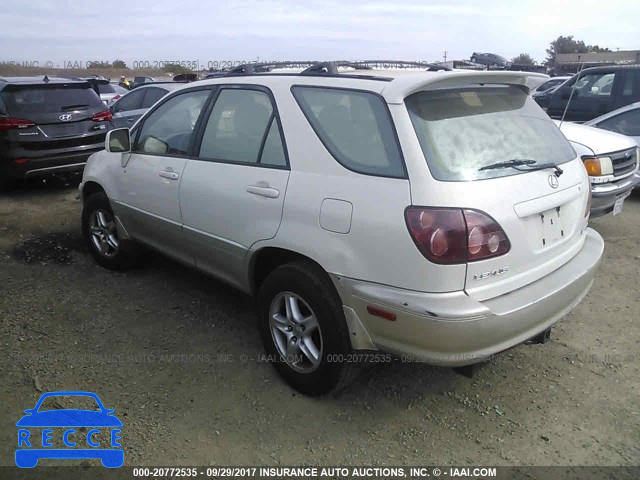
(296, 332)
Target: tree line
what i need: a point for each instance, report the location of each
(561, 44)
(121, 64)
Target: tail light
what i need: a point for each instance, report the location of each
(117, 97)
(453, 235)
(105, 116)
(8, 123)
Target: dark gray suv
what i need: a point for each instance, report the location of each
(489, 59)
(48, 125)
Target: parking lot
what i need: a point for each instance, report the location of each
(177, 355)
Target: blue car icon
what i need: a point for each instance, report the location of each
(32, 447)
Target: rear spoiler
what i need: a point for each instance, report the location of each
(403, 86)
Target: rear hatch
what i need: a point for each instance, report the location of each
(492, 151)
(55, 116)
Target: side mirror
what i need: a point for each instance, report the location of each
(118, 141)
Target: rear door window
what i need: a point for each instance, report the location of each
(131, 101)
(152, 95)
(355, 127)
(631, 86)
(24, 100)
(461, 130)
(243, 128)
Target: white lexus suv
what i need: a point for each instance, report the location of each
(439, 216)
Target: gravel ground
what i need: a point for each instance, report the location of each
(177, 355)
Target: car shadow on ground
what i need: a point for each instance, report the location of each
(42, 186)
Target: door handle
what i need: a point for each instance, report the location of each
(130, 120)
(263, 191)
(168, 174)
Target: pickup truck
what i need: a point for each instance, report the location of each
(611, 161)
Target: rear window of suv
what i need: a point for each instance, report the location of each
(355, 127)
(33, 99)
(106, 88)
(461, 130)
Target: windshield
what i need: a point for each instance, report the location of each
(464, 129)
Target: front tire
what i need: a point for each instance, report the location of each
(303, 329)
(102, 237)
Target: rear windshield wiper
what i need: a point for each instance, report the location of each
(531, 165)
(73, 107)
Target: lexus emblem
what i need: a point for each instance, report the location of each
(553, 181)
(65, 117)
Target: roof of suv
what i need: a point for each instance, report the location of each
(39, 80)
(393, 85)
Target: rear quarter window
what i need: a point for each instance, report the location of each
(355, 127)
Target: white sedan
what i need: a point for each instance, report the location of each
(625, 120)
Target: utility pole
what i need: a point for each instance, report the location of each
(445, 55)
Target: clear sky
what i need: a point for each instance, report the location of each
(248, 30)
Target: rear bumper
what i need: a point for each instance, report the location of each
(453, 329)
(604, 195)
(44, 165)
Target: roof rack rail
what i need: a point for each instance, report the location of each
(327, 67)
(403, 64)
(309, 67)
(331, 68)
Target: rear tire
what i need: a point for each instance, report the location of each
(102, 237)
(303, 329)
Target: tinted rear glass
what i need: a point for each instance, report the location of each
(106, 88)
(27, 99)
(462, 130)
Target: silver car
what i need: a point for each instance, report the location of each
(130, 107)
(433, 216)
